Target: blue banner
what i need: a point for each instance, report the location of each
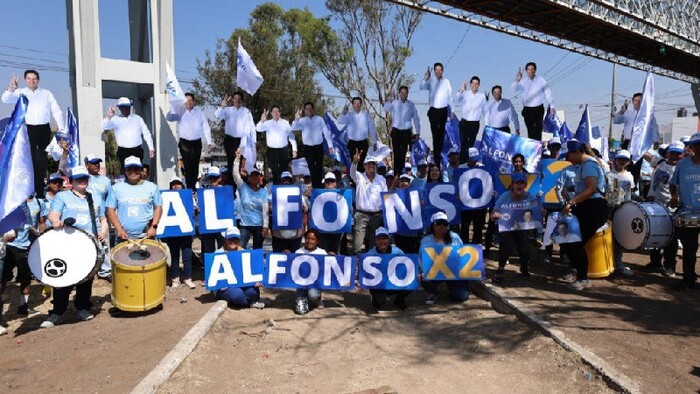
(451, 140)
(475, 186)
(178, 214)
(441, 197)
(233, 269)
(286, 207)
(330, 211)
(402, 211)
(216, 206)
(551, 123)
(419, 151)
(74, 145)
(340, 142)
(498, 147)
(463, 262)
(520, 215)
(551, 169)
(389, 271)
(310, 271)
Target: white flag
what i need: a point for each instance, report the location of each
(645, 130)
(378, 151)
(176, 96)
(248, 77)
(248, 150)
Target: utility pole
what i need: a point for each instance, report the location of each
(612, 101)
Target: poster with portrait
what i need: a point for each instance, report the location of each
(562, 229)
(520, 215)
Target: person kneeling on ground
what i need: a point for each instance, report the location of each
(247, 297)
(311, 240)
(383, 246)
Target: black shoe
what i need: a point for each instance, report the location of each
(653, 267)
(108, 278)
(498, 278)
(525, 274)
(400, 303)
(25, 310)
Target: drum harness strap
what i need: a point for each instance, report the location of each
(91, 208)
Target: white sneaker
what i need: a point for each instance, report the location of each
(84, 315)
(190, 284)
(52, 321)
(3, 331)
(258, 305)
(175, 283)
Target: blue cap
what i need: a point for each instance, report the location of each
(676, 147)
(518, 177)
(572, 145)
(232, 232)
(132, 161)
(55, 177)
(213, 172)
(92, 159)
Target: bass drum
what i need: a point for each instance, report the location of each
(64, 257)
(647, 225)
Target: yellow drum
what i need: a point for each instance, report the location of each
(599, 250)
(138, 275)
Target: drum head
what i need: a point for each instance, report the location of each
(630, 226)
(63, 257)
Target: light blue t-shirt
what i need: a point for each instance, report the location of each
(99, 186)
(69, 205)
(686, 178)
(394, 250)
(588, 169)
(418, 183)
(35, 211)
(251, 205)
(134, 205)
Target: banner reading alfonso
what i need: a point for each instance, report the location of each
(498, 147)
(520, 215)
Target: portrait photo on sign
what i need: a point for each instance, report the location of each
(521, 216)
(566, 229)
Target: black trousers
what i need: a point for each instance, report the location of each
(360, 146)
(467, 217)
(277, 160)
(331, 242)
(231, 144)
(504, 128)
(400, 144)
(291, 245)
(591, 214)
(511, 240)
(409, 244)
(534, 117)
(123, 153)
(39, 138)
(191, 152)
(689, 239)
(83, 292)
(467, 136)
(625, 144)
(437, 118)
(314, 158)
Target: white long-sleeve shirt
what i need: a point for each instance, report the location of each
(473, 105)
(41, 105)
(627, 119)
(278, 133)
(402, 114)
(239, 121)
(359, 126)
(192, 125)
(313, 130)
(500, 113)
(368, 194)
(536, 91)
(440, 92)
(130, 131)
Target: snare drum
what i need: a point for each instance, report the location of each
(647, 225)
(688, 219)
(64, 257)
(138, 275)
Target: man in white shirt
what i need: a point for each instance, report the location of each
(313, 131)
(359, 126)
(439, 98)
(129, 131)
(278, 136)
(192, 126)
(626, 117)
(500, 112)
(403, 111)
(239, 123)
(535, 91)
(41, 107)
(473, 106)
(368, 202)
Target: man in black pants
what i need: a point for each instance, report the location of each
(403, 112)
(535, 92)
(278, 137)
(40, 108)
(473, 107)
(192, 127)
(238, 123)
(439, 98)
(313, 131)
(129, 131)
(359, 126)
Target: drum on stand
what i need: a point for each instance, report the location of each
(647, 225)
(65, 256)
(138, 275)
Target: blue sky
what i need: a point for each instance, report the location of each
(494, 57)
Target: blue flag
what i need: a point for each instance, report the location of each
(498, 147)
(645, 130)
(565, 135)
(451, 140)
(74, 144)
(552, 124)
(340, 141)
(584, 132)
(16, 171)
(419, 151)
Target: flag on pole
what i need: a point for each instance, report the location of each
(451, 140)
(176, 96)
(340, 141)
(248, 150)
(16, 171)
(248, 77)
(552, 123)
(565, 135)
(378, 150)
(71, 136)
(418, 152)
(589, 134)
(645, 130)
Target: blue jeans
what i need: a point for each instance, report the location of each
(314, 294)
(177, 244)
(458, 289)
(252, 231)
(239, 296)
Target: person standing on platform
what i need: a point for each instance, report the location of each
(368, 202)
(359, 127)
(403, 112)
(439, 98)
(192, 127)
(129, 131)
(239, 123)
(473, 107)
(278, 136)
(626, 117)
(535, 92)
(313, 131)
(500, 112)
(41, 106)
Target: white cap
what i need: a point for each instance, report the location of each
(452, 150)
(232, 232)
(422, 162)
(79, 172)
(213, 172)
(132, 161)
(381, 231)
(407, 166)
(92, 158)
(554, 140)
(694, 139)
(124, 102)
(370, 159)
(390, 173)
(676, 146)
(176, 179)
(438, 216)
(623, 154)
(286, 174)
(685, 139)
(329, 175)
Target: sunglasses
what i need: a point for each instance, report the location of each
(441, 223)
(330, 181)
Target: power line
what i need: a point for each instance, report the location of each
(458, 45)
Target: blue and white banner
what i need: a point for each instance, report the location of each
(330, 210)
(565, 135)
(178, 214)
(310, 271)
(389, 271)
(551, 123)
(498, 147)
(520, 215)
(248, 77)
(463, 262)
(419, 151)
(402, 211)
(217, 209)
(71, 137)
(340, 141)
(564, 229)
(551, 170)
(442, 197)
(287, 214)
(645, 130)
(587, 133)
(452, 139)
(475, 186)
(233, 269)
(248, 150)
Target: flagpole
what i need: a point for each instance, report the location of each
(612, 101)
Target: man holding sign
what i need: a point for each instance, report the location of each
(383, 246)
(368, 201)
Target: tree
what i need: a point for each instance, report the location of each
(366, 57)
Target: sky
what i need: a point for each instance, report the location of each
(465, 50)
